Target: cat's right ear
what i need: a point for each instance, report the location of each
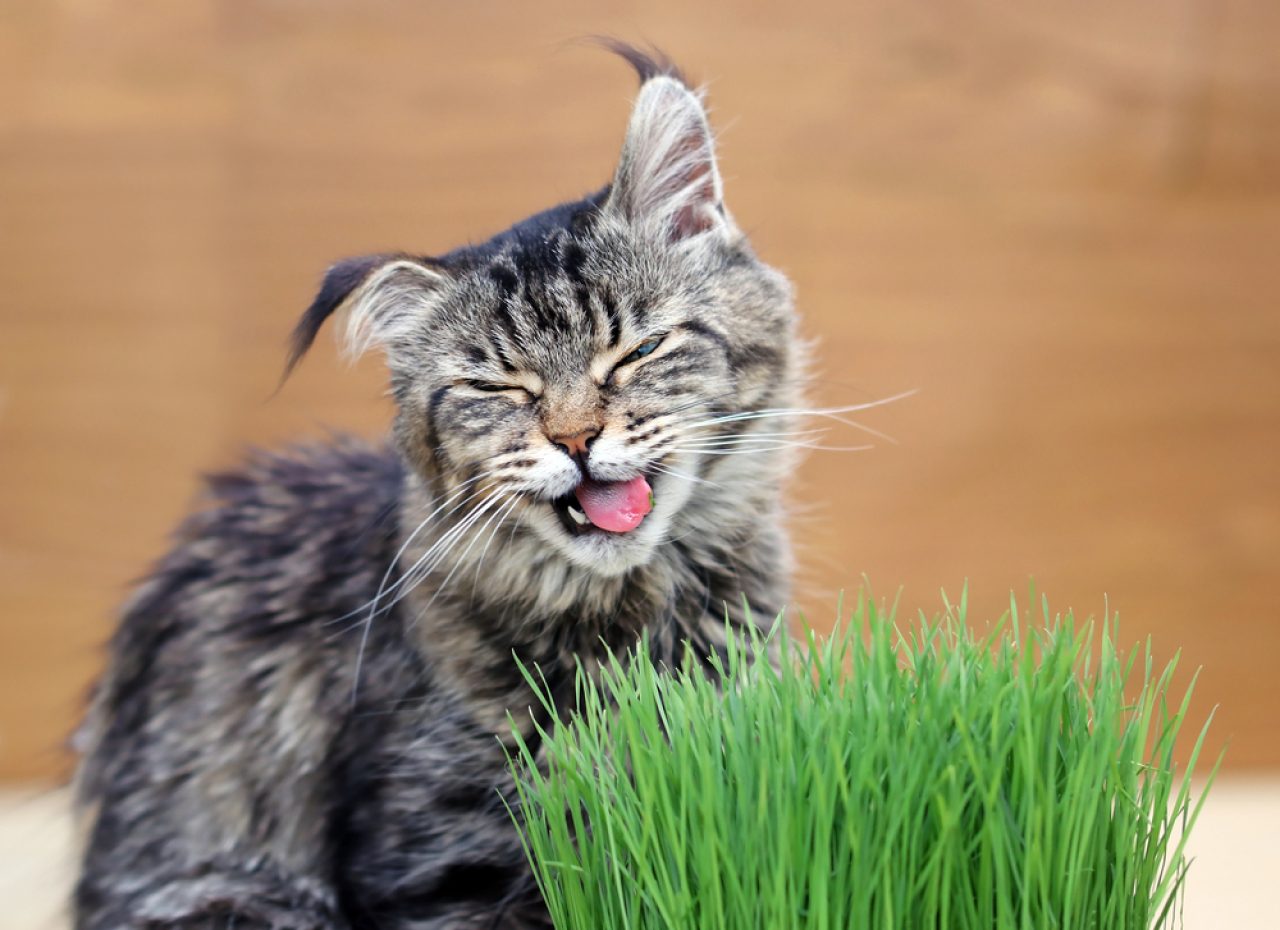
(667, 179)
(381, 297)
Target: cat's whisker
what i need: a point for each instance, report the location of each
(515, 526)
(653, 447)
(749, 450)
(452, 496)
(748, 415)
(411, 576)
(685, 476)
(515, 500)
(794, 382)
(797, 414)
(511, 533)
(818, 411)
(703, 401)
(430, 559)
(729, 442)
(830, 413)
(661, 445)
(754, 437)
(382, 587)
(504, 507)
(464, 524)
(661, 419)
(502, 514)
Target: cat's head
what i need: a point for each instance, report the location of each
(574, 373)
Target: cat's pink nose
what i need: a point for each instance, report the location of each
(577, 444)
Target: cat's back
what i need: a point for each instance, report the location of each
(254, 610)
(285, 539)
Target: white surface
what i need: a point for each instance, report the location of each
(1232, 884)
(1235, 847)
(36, 859)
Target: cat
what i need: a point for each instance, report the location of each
(303, 718)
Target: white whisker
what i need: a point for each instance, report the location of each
(502, 515)
(430, 559)
(830, 413)
(684, 476)
(754, 437)
(407, 588)
(503, 509)
(771, 447)
(382, 586)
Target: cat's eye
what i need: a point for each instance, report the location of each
(493, 387)
(640, 351)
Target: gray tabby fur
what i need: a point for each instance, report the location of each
(301, 722)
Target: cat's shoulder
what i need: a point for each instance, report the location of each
(285, 537)
(245, 627)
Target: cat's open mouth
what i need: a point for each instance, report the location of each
(607, 506)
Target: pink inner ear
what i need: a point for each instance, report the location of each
(667, 176)
(690, 221)
(696, 186)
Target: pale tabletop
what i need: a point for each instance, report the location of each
(1231, 886)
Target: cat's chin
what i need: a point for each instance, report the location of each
(600, 552)
(609, 554)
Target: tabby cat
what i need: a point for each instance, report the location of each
(301, 724)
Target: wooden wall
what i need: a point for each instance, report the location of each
(1060, 223)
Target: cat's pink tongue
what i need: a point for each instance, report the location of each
(616, 506)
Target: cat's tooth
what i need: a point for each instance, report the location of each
(577, 515)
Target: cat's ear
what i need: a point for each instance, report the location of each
(381, 297)
(667, 177)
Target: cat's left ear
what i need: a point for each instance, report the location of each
(382, 296)
(667, 179)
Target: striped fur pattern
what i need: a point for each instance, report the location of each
(301, 723)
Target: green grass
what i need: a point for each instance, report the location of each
(887, 777)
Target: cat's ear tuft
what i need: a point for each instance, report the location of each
(667, 178)
(381, 296)
(648, 63)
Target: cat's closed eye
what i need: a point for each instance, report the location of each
(498, 387)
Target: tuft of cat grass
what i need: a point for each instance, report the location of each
(881, 778)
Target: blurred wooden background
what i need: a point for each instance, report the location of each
(1059, 222)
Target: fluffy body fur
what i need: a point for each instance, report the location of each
(301, 723)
